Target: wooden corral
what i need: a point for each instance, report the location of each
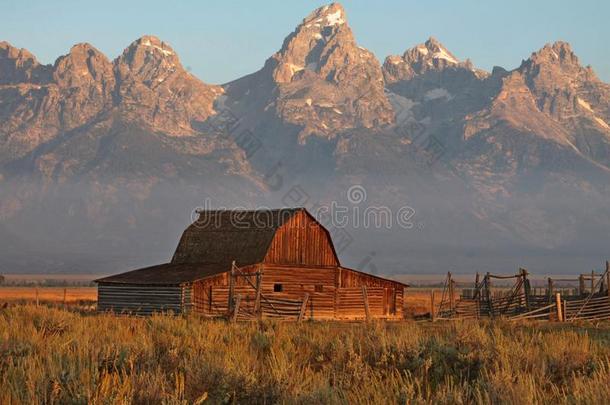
(254, 264)
(521, 302)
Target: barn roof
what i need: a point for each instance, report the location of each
(167, 274)
(225, 236)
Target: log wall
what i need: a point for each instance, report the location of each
(326, 300)
(142, 299)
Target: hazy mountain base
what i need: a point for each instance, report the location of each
(109, 226)
(52, 356)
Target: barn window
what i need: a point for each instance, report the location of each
(319, 288)
(278, 288)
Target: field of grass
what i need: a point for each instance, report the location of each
(52, 356)
(47, 294)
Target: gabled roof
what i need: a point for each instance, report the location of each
(167, 274)
(225, 236)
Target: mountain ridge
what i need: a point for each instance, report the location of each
(110, 152)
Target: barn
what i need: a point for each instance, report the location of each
(254, 264)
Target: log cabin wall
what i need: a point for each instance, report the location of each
(142, 299)
(294, 282)
(208, 302)
(326, 300)
(302, 241)
(392, 293)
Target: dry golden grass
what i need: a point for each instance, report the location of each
(47, 294)
(53, 356)
(417, 302)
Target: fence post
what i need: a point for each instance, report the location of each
(558, 304)
(550, 292)
(487, 282)
(365, 297)
(581, 285)
(451, 298)
(608, 277)
(592, 281)
(257, 302)
(432, 305)
(231, 287)
(303, 307)
(526, 288)
(236, 310)
(477, 294)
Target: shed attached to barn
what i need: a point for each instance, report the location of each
(251, 264)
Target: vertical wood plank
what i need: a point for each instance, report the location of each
(608, 277)
(303, 307)
(257, 300)
(231, 287)
(236, 309)
(558, 304)
(365, 297)
(432, 312)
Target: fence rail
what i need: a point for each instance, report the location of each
(522, 302)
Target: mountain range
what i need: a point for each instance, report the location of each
(102, 162)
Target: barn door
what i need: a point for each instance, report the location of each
(389, 301)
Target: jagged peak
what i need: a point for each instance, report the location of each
(556, 59)
(84, 47)
(18, 65)
(83, 61)
(322, 34)
(82, 50)
(321, 25)
(154, 44)
(430, 50)
(558, 51)
(326, 16)
(9, 51)
(149, 45)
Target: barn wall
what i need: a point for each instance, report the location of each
(141, 299)
(387, 295)
(296, 281)
(385, 298)
(207, 302)
(301, 241)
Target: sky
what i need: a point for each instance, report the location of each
(219, 41)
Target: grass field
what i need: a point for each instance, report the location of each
(52, 356)
(47, 294)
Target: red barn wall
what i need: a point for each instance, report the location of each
(302, 241)
(326, 299)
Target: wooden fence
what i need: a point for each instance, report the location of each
(520, 301)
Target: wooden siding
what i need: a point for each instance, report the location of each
(296, 281)
(302, 241)
(142, 299)
(353, 278)
(326, 301)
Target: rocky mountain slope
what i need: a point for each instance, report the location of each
(102, 162)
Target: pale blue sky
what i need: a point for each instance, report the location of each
(222, 40)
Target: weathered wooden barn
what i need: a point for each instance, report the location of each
(250, 264)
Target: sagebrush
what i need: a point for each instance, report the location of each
(53, 356)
